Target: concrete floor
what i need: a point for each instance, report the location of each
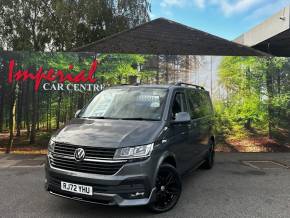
(231, 189)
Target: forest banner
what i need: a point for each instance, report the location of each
(41, 91)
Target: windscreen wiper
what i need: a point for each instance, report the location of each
(96, 117)
(138, 118)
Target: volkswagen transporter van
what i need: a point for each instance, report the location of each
(130, 145)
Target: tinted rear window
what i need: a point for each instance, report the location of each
(199, 104)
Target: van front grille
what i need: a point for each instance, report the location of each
(102, 168)
(97, 160)
(91, 152)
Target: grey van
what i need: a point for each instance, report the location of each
(130, 145)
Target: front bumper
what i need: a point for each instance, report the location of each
(132, 185)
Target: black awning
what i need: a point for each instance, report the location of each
(278, 45)
(162, 36)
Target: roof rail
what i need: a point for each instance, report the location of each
(188, 84)
(130, 84)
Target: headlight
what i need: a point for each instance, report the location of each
(51, 144)
(134, 152)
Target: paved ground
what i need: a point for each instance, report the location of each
(17, 160)
(231, 189)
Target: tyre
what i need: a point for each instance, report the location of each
(168, 185)
(209, 161)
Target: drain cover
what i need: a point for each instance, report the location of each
(264, 164)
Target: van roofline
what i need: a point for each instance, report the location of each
(164, 86)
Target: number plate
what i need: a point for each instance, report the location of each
(76, 188)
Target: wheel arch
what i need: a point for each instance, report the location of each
(168, 158)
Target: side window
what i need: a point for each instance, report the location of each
(199, 104)
(195, 102)
(179, 104)
(206, 106)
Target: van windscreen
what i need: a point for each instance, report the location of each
(127, 103)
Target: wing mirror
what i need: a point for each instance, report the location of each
(182, 117)
(77, 113)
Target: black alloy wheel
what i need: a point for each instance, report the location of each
(168, 185)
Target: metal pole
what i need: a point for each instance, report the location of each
(211, 76)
